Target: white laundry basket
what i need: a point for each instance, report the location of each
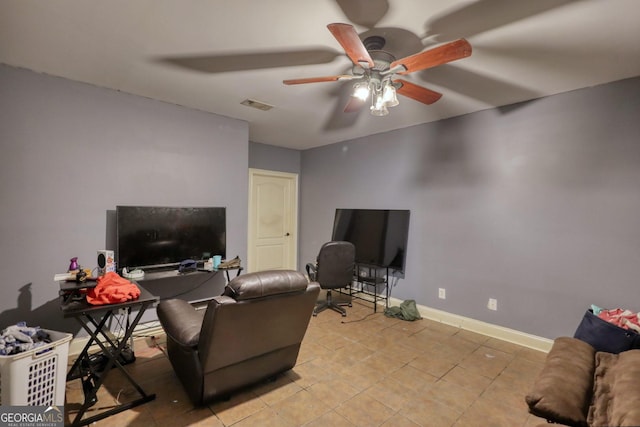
(36, 377)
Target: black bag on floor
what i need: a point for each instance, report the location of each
(605, 336)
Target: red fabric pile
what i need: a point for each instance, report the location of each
(112, 289)
(626, 319)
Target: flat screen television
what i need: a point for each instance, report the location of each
(152, 236)
(379, 235)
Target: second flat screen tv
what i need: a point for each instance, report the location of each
(379, 235)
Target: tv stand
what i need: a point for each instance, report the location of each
(368, 282)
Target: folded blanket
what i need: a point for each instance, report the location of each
(112, 289)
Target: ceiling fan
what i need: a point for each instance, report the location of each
(376, 70)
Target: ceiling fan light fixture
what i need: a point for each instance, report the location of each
(389, 97)
(379, 108)
(361, 91)
(379, 111)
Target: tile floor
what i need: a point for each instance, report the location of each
(361, 370)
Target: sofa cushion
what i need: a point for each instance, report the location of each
(562, 392)
(616, 398)
(266, 283)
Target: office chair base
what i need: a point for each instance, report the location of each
(332, 305)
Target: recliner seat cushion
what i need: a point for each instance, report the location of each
(562, 392)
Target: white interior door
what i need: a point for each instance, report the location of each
(273, 220)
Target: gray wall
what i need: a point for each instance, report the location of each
(269, 157)
(71, 152)
(537, 205)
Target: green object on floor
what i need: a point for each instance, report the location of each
(406, 311)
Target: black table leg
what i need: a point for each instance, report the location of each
(112, 351)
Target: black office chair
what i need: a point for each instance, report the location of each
(333, 269)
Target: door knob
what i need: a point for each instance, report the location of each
(287, 234)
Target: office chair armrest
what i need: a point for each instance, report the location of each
(312, 268)
(180, 321)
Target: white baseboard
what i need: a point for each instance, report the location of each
(488, 329)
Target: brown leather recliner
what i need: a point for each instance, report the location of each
(251, 332)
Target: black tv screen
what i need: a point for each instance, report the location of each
(150, 236)
(379, 235)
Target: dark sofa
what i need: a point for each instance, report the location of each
(251, 332)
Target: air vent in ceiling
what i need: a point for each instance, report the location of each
(256, 104)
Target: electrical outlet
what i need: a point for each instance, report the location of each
(442, 293)
(492, 304)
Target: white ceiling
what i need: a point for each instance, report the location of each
(213, 54)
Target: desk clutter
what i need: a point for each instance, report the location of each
(110, 288)
(217, 263)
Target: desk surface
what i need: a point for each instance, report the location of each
(75, 308)
(168, 273)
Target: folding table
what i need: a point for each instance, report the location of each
(95, 319)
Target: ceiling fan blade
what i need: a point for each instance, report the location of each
(256, 60)
(337, 119)
(418, 93)
(433, 57)
(354, 104)
(351, 43)
(319, 79)
(364, 12)
(479, 86)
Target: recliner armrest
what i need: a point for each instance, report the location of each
(180, 321)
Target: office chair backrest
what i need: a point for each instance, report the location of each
(336, 263)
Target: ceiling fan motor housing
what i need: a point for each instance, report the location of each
(381, 58)
(374, 43)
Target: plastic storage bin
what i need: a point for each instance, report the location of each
(36, 377)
